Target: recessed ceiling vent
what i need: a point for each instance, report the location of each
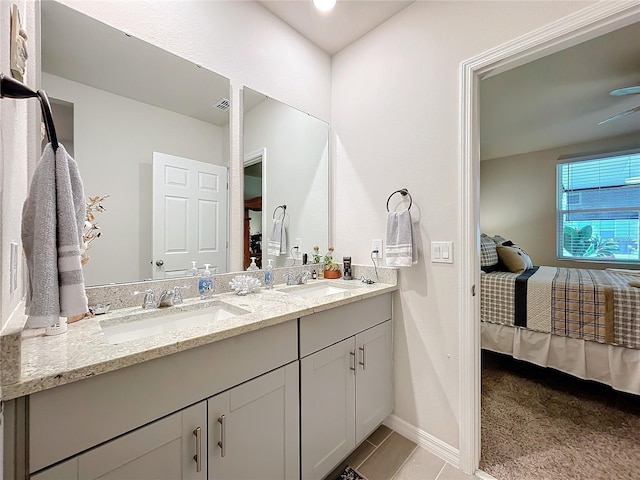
(222, 104)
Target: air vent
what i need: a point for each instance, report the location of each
(222, 104)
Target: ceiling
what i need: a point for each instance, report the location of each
(554, 101)
(332, 31)
(82, 49)
(559, 99)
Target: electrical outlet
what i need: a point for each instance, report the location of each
(376, 244)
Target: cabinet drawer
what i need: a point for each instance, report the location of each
(89, 412)
(322, 329)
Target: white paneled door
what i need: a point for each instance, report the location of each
(189, 216)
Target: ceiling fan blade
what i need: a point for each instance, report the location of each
(625, 91)
(623, 114)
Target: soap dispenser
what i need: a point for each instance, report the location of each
(268, 275)
(193, 271)
(252, 266)
(205, 284)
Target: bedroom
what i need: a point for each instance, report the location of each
(561, 99)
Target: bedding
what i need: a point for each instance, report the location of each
(592, 305)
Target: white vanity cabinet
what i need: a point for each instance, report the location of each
(287, 402)
(172, 448)
(346, 380)
(150, 410)
(254, 429)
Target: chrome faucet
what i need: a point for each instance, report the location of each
(299, 279)
(171, 296)
(177, 294)
(149, 300)
(168, 298)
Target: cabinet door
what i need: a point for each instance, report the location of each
(328, 408)
(374, 384)
(254, 428)
(165, 449)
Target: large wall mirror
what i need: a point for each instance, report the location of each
(286, 164)
(118, 103)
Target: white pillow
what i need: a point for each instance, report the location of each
(514, 258)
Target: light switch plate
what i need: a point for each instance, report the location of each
(441, 252)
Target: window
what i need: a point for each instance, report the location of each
(598, 208)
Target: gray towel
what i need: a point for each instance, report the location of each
(52, 223)
(278, 239)
(400, 250)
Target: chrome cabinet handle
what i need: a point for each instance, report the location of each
(353, 361)
(159, 263)
(198, 456)
(223, 435)
(363, 357)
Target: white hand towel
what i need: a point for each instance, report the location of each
(278, 239)
(400, 250)
(52, 220)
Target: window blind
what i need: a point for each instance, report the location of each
(598, 209)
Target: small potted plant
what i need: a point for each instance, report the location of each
(331, 269)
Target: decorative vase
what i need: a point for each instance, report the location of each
(332, 274)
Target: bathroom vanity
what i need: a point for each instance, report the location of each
(286, 387)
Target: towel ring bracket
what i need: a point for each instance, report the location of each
(404, 192)
(284, 211)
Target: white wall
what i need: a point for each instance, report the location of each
(19, 141)
(518, 197)
(296, 172)
(395, 113)
(115, 138)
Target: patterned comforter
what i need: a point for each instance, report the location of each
(595, 305)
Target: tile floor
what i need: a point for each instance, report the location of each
(387, 455)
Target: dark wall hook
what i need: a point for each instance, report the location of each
(12, 88)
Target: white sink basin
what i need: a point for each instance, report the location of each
(157, 322)
(315, 290)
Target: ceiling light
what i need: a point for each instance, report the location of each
(324, 5)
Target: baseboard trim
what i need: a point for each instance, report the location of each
(484, 475)
(425, 440)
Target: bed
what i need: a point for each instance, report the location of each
(581, 321)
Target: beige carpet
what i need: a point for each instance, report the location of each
(540, 424)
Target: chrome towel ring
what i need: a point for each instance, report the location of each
(284, 211)
(404, 192)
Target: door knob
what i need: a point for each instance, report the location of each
(159, 263)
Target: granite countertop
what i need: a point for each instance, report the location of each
(83, 351)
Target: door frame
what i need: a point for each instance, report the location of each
(587, 23)
(260, 155)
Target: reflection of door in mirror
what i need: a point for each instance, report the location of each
(253, 198)
(189, 216)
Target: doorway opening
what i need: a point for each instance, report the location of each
(588, 23)
(254, 193)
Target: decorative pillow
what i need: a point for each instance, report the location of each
(488, 254)
(514, 258)
(500, 240)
